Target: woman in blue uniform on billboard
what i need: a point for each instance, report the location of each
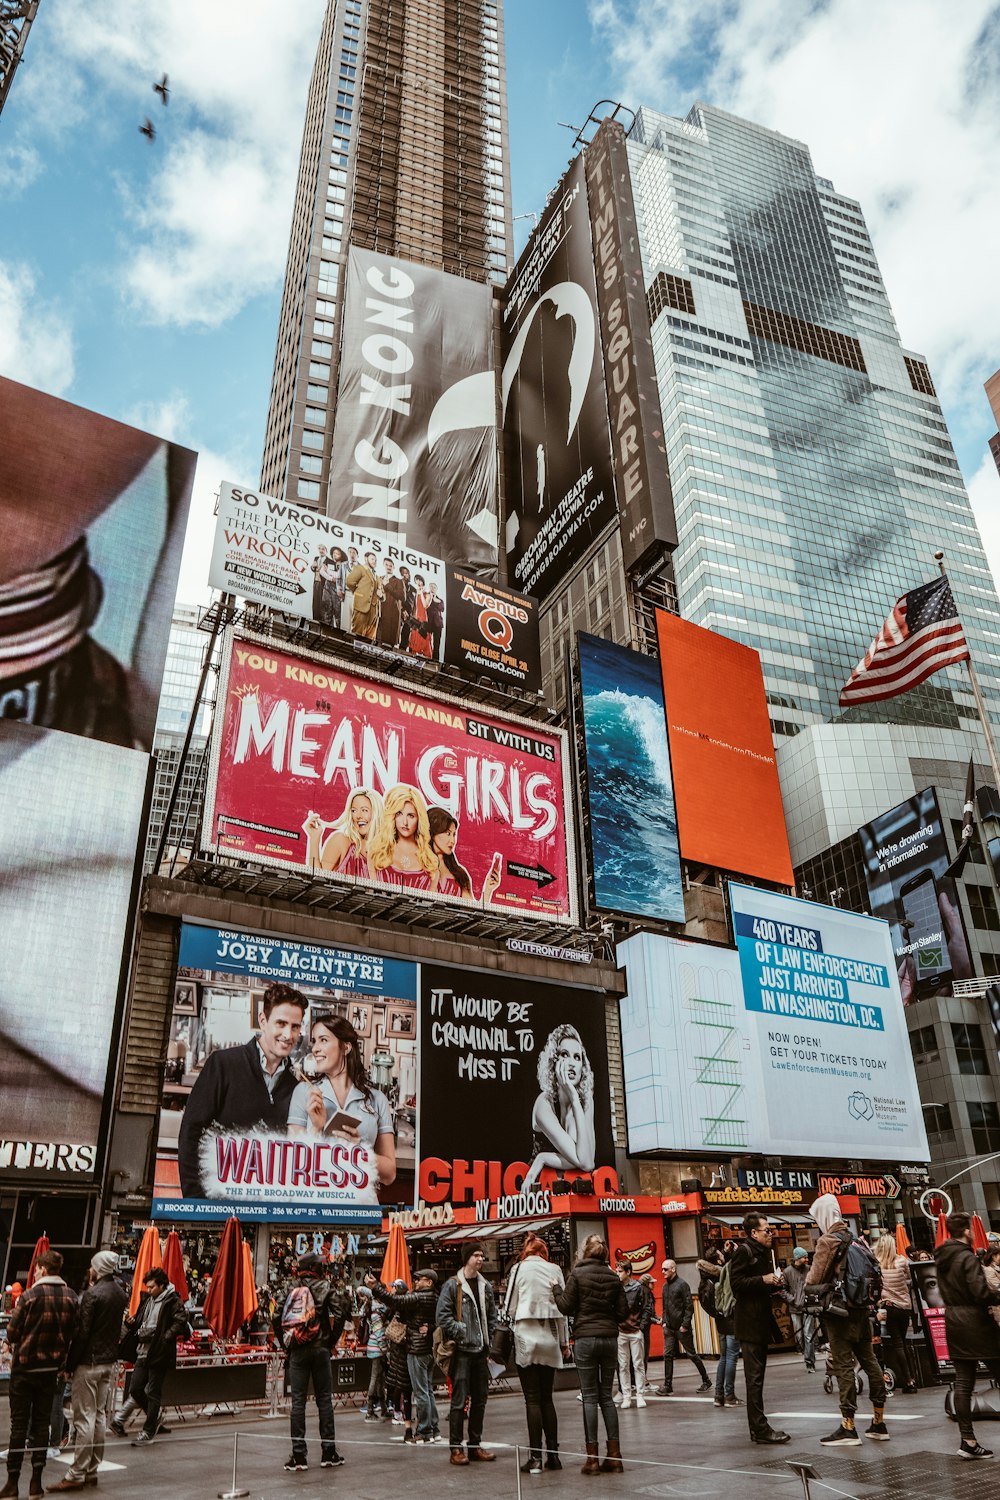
(562, 1120)
(336, 1100)
(344, 849)
(399, 851)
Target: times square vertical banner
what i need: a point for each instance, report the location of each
(415, 440)
(362, 780)
(560, 492)
(515, 1079)
(336, 1131)
(93, 515)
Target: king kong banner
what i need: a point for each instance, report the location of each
(363, 582)
(514, 1074)
(415, 448)
(906, 862)
(359, 779)
(334, 1126)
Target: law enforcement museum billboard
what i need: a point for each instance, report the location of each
(794, 1044)
(95, 513)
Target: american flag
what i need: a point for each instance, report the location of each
(922, 634)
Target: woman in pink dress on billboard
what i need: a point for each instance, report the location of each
(420, 642)
(345, 847)
(399, 851)
(454, 879)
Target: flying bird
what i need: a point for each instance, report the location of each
(163, 89)
(148, 129)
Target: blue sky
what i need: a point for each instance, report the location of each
(144, 280)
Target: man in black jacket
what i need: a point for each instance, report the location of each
(418, 1310)
(970, 1330)
(160, 1320)
(310, 1360)
(240, 1087)
(754, 1280)
(91, 1364)
(678, 1315)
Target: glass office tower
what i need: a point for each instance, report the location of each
(812, 471)
(404, 151)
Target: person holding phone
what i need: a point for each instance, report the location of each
(339, 1101)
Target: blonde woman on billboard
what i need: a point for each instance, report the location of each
(562, 1120)
(338, 1101)
(399, 851)
(345, 847)
(453, 878)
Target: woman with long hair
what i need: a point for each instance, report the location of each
(340, 1085)
(345, 847)
(399, 851)
(420, 641)
(595, 1300)
(454, 879)
(562, 1120)
(895, 1307)
(541, 1343)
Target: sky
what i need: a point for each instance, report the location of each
(144, 279)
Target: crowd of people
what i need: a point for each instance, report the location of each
(395, 607)
(843, 1297)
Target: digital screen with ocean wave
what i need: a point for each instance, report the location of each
(633, 822)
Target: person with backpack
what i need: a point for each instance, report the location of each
(418, 1310)
(467, 1318)
(677, 1317)
(971, 1333)
(311, 1321)
(631, 1359)
(848, 1266)
(715, 1295)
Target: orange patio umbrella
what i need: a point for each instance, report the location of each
(902, 1239)
(148, 1257)
(941, 1233)
(226, 1304)
(980, 1239)
(173, 1264)
(396, 1265)
(42, 1246)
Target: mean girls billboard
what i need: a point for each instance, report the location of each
(360, 779)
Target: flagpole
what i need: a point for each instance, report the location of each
(978, 695)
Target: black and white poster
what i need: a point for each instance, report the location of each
(559, 481)
(514, 1075)
(414, 444)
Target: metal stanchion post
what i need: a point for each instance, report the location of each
(517, 1469)
(805, 1471)
(233, 1493)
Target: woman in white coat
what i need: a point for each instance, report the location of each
(541, 1344)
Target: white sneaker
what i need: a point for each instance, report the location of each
(640, 1401)
(626, 1403)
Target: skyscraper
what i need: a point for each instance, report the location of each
(404, 151)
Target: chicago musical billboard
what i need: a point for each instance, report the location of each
(729, 809)
(365, 781)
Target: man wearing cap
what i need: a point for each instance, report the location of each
(91, 1364)
(793, 1291)
(418, 1310)
(467, 1313)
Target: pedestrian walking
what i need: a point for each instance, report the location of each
(541, 1344)
(418, 1310)
(151, 1340)
(40, 1332)
(971, 1332)
(595, 1300)
(895, 1310)
(91, 1364)
(648, 1318)
(467, 1313)
(377, 1347)
(804, 1321)
(839, 1255)
(677, 1314)
(754, 1279)
(631, 1356)
(309, 1324)
(710, 1269)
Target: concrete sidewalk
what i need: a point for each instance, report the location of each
(681, 1446)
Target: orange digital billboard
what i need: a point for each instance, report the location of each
(729, 812)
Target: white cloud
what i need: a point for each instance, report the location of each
(36, 345)
(984, 492)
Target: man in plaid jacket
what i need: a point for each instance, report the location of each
(40, 1332)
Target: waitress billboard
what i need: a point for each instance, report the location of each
(363, 780)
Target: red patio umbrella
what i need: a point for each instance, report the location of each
(250, 1298)
(980, 1239)
(148, 1257)
(902, 1239)
(396, 1265)
(173, 1264)
(941, 1233)
(41, 1247)
(226, 1304)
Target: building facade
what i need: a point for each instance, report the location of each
(404, 151)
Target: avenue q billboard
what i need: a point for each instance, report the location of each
(794, 1045)
(358, 778)
(729, 809)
